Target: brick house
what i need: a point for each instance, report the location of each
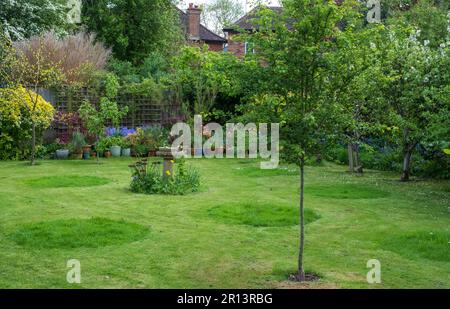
(240, 48)
(196, 33)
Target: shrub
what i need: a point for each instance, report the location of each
(145, 139)
(151, 180)
(73, 54)
(16, 121)
(106, 143)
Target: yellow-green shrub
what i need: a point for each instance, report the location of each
(16, 118)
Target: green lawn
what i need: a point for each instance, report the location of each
(239, 231)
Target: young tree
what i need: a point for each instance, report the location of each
(96, 119)
(29, 73)
(292, 49)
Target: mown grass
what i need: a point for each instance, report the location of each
(428, 245)
(239, 231)
(347, 191)
(65, 181)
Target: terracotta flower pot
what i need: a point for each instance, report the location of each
(87, 149)
(107, 154)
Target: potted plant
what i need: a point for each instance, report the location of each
(62, 152)
(87, 149)
(115, 145)
(107, 153)
(77, 143)
(126, 147)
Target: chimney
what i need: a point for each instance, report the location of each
(193, 28)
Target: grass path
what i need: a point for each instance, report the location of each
(200, 241)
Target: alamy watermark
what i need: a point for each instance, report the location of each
(74, 273)
(374, 274)
(374, 13)
(238, 141)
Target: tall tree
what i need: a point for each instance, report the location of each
(415, 86)
(222, 13)
(429, 16)
(134, 28)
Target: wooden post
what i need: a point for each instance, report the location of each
(167, 167)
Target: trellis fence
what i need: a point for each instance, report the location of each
(143, 110)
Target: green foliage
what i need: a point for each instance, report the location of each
(292, 47)
(147, 139)
(222, 13)
(429, 16)
(200, 75)
(23, 19)
(16, 120)
(77, 142)
(155, 66)
(111, 85)
(134, 28)
(184, 180)
(147, 88)
(105, 143)
(96, 120)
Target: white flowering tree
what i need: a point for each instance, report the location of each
(416, 83)
(22, 19)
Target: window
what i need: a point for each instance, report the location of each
(249, 48)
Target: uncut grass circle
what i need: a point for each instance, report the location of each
(260, 215)
(346, 191)
(77, 233)
(66, 181)
(428, 245)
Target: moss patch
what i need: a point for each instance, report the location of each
(75, 233)
(66, 181)
(347, 191)
(261, 215)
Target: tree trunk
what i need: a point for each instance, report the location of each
(301, 271)
(357, 162)
(406, 164)
(350, 158)
(33, 145)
